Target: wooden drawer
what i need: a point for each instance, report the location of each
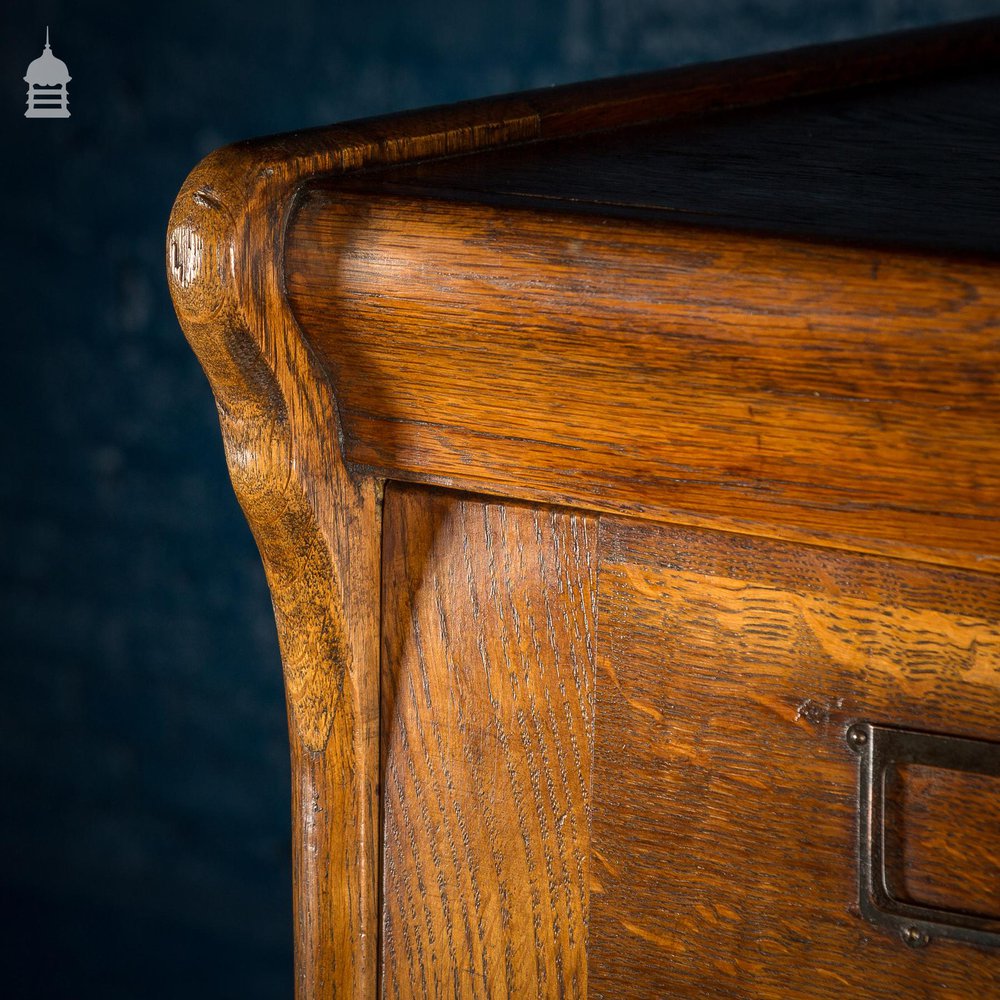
(712, 679)
(726, 795)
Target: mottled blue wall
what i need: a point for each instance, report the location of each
(143, 761)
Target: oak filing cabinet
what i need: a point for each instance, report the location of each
(625, 463)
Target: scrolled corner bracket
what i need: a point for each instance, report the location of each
(312, 519)
(317, 524)
(224, 265)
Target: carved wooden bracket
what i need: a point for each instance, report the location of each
(316, 521)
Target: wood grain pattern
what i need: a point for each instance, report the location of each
(847, 396)
(725, 803)
(317, 527)
(487, 702)
(316, 521)
(314, 511)
(943, 838)
(910, 164)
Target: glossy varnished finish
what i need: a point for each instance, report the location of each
(943, 838)
(905, 164)
(725, 793)
(315, 519)
(838, 394)
(764, 385)
(317, 528)
(487, 701)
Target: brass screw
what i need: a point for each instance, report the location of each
(857, 737)
(915, 937)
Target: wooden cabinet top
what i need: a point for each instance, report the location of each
(908, 163)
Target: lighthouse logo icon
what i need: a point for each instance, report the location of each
(46, 79)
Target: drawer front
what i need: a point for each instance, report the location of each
(726, 800)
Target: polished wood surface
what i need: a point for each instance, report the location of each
(836, 390)
(317, 526)
(909, 164)
(725, 793)
(844, 395)
(943, 838)
(487, 709)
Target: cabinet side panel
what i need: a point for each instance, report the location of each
(487, 692)
(725, 802)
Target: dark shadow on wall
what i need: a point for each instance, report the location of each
(144, 835)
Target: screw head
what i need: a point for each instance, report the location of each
(914, 937)
(857, 737)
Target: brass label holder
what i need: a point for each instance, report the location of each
(881, 747)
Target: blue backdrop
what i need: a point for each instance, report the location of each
(144, 835)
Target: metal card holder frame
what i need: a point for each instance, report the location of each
(880, 747)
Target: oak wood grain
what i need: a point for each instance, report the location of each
(315, 520)
(487, 704)
(844, 395)
(943, 838)
(315, 513)
(725, 795)
(911, 163)
(316, 524)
